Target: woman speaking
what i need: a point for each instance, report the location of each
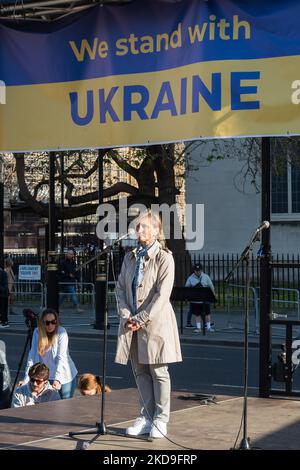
(148, 331)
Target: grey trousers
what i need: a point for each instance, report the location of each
(154, 385)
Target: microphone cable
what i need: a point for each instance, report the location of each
(239, 431)
(132, 368)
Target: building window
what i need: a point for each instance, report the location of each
(285, 190)
(295, 189)
(280, 193)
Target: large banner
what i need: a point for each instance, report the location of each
(151, 71)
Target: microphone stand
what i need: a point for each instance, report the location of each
(245, 256)
(101, 428)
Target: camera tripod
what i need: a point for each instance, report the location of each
(28, 341)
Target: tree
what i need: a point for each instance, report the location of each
(154, 175)
(248, 150)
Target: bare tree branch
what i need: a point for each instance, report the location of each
(39, 207)
(124, 164)
(108, 192)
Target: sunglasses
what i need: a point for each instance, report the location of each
(50, 322)
(38, 381)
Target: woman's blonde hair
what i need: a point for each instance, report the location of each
(8, 262)
(46, 340)
(90, 382)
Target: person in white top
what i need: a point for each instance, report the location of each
(50, 346)
(199, 308)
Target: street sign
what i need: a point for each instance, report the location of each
(29, 272)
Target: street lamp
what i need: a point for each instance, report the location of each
(1, 214)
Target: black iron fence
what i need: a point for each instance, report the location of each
(217, 266)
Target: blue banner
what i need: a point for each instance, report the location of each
(149, 72)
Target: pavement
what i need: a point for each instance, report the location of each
(229, 325)
(273, 424)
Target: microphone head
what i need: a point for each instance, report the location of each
(131, 232)
(266, 223)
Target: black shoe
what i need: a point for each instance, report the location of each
(4, 325)
(189, 326)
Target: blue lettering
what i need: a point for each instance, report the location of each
(165, 91)
(139, 106)
(82, 121)
(106, 106)
(237, 90)
(183, 96)
(213, 98)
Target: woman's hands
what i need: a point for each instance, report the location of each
(131, 325)
(56, 385)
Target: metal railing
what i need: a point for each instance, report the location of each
(233, 293)
(28, 292)
(280, 296)
(217, 266)
(112, 303)
(286, 301)
(84, 292)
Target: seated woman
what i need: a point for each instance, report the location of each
(90, 384)
(50, 345)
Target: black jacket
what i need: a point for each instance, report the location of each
(66, 268)
(4, 292)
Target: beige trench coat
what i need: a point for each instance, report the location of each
(158, 339)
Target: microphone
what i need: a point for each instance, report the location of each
(130, 232)
(264, 225)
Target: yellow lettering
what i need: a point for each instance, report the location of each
(132, 41)
(240, 24)
(84, 47)
(147, 44)
(196, 33)
(122, 48)
(212, 27)
(222, 25)
(102, 49)
(159, 39)
(175, 39)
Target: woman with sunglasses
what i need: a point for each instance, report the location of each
(50, 346)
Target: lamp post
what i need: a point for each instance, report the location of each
(52, 263)
(1, 216)
(101, 275)
(62, 195)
